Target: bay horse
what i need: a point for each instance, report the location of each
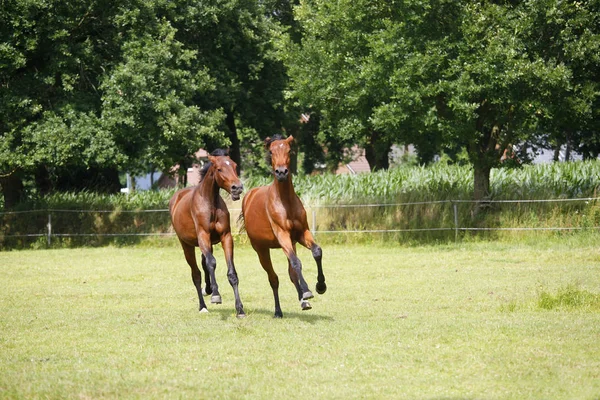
(274, 217)
(201, 219)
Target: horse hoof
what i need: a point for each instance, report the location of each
(241, 315)
(216, 299)
(305, 305)
(321, 287)
(206, 292)
(278, 314)
(203, 310)
(307, 295)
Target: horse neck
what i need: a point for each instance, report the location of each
(285, 189)
(208, 187)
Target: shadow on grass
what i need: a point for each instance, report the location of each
(306, 316)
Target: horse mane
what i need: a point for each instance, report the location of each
(206, 167)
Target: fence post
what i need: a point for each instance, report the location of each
(455, 206)
(314, 222)
(49, 226)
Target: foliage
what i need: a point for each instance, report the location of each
(135, 85)
(149, 101)
(447, 75)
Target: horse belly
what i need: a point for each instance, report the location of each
(183, 224)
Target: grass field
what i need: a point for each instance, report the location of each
(469, 321)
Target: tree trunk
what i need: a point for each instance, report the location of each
(42, 180)
(234, 150)
(481, 182)
(12, 190)
(484, 155)
(377, 152)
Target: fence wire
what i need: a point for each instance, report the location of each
(48, 231)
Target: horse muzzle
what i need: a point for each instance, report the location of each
(281, 174)
(236, 191)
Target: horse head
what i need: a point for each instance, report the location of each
(279, 153)
(225, 175)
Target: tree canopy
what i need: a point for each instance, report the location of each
(449, 75)
(97, 86)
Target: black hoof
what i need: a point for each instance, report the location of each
(278, 314)
(321, 287)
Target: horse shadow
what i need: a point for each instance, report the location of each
(311, 318)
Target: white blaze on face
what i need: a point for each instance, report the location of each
(227, 162)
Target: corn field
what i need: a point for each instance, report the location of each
(406, 203)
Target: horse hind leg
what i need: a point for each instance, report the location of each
(190, 257)
(264, 256)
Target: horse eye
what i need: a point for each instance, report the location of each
(219, 169)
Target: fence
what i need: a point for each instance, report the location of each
(445, 218)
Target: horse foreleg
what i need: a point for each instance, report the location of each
(227, 243)
(211, 264)
(304, 304)
(207, 285)
(288, 248)
(190, 257)
(264, 256)
(308, 241)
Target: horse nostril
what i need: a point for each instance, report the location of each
(237, 188)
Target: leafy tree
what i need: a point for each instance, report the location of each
(448, 75)
(51, 57)
(331, 72)
(149, 97)
(232, 40)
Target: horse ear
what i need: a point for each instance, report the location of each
(267, 142)
(290, 139)
(212, 159)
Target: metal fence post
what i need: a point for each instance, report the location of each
(455, 206)
(49, 226)
(314, 222)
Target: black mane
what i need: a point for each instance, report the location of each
(206, 167)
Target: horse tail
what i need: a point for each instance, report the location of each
(241, 222)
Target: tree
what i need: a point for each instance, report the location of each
(149, 98)
(448, 75)
(333, 73)
(232, 44)
(51, 57)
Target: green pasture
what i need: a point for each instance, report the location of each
(467, 321)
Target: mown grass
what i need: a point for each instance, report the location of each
(423, 322)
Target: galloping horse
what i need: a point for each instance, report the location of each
(201, 218)
(274, 217)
